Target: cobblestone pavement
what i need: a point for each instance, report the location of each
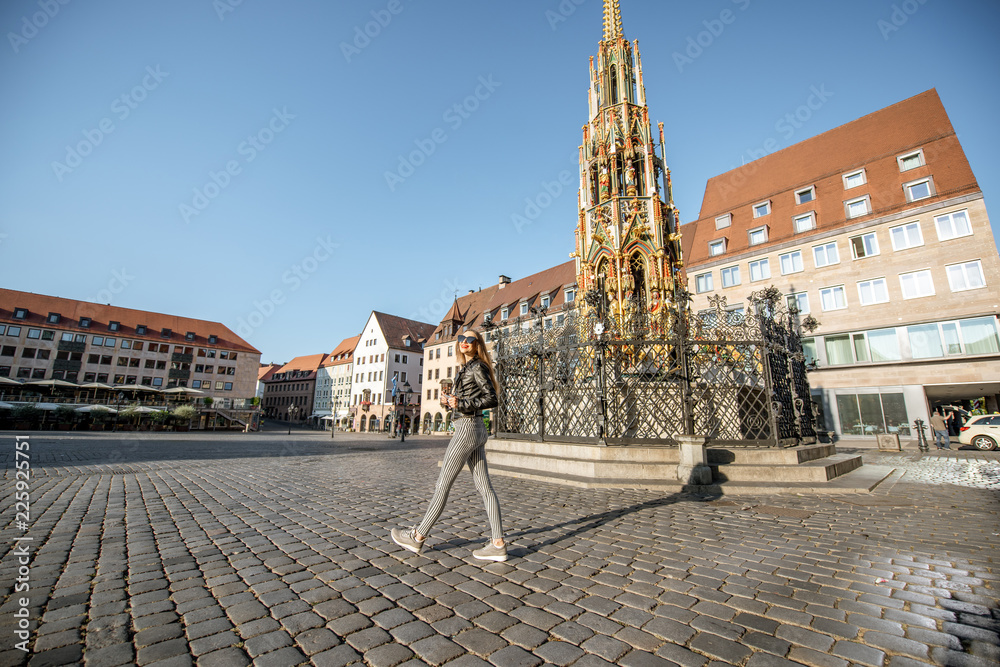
(176, 549)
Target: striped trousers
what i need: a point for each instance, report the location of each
(468, 445)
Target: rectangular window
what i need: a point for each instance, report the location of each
(730, 276)
(524, 308)
(980, 335)
(97, 340)
(47, 335)
(965, 276)
(911, 160)
(716, 248)
(703, 283)
(833, 298)
(925, 341)
(953, 225)
(791, 262)
(865, 245)
(757, 236)
(873, 291)
(803, 223)
(34, 333)
(856, 208)
(826, 254)
(570, 295)
(54, 318)
(906, 236)
(546, 301)
(762, 209)
(798, 301)
(854, 179)
(16, 332)
(917, 190)
(109, 342)
(760, 270)
(806, 195)
(724, 221)
(916, 284)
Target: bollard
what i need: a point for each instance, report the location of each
(921, 439)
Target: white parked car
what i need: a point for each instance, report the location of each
(982, 432)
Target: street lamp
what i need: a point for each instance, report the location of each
(291, 415)
(118, 408)
(404, 399)
(333, 413)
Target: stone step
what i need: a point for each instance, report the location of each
(814, 470)
(589, 482)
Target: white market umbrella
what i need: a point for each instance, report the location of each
(92, 408)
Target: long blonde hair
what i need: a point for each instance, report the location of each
(483, 355)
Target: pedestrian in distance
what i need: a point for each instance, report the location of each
(475, 390)
(940, 427)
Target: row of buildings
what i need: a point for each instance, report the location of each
(876, 229)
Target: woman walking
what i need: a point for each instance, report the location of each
(475, 391)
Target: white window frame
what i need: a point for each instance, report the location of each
(859, 172)
(795, 296)
(964, 267)
(915, 224)
(909, 194)
(505, 313)
(723, 221)
(731, 269)
(916, 275)
(765, 274)
(871, 283)
(825, 247)
(919, 154)
(717, 243)
(781, 263)
(756, 230)
(706, 278)
(812, 195)
(868, 207)
(546, 301)
(832, 290)
(767, 206)
(810, 216)
(569, 294)
(950, 218)
(524, 308)
(869, 235)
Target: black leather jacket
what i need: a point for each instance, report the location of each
(474, 389)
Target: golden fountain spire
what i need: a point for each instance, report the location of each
(612, 20)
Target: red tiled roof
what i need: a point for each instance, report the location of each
(308, 364)
(872, 142)
(40, 305)
(466, 312)
(265, 371)
(396, 328)
(529, 289)
(343, 353)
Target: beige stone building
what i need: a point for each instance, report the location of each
(878, 230)
(47, 337)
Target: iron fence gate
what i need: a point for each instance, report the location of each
(735, 377)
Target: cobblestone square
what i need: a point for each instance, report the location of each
(273, 550)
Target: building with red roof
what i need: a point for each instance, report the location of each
(878, 230)
(290, 391)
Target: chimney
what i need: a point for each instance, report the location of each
(504, 280)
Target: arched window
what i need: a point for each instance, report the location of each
(637, 266)
(613, 88)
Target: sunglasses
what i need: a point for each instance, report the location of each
(471, 340)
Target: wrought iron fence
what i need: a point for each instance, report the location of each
(735, 377)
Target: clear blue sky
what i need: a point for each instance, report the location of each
(286, 122)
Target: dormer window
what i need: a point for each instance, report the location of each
(504, 313)
(524, 308)
(53, 318)
(141, 330)
(165, 333)
(114, 326)
(20, 313)
(189, 335)
(716, 248)
(213, 339)
(805, 195)
(723, 221)
(546, 300)
(911, 160)
(406, 342)
(570, 294)
(85, 322)
(757, 236)
(762, 209)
